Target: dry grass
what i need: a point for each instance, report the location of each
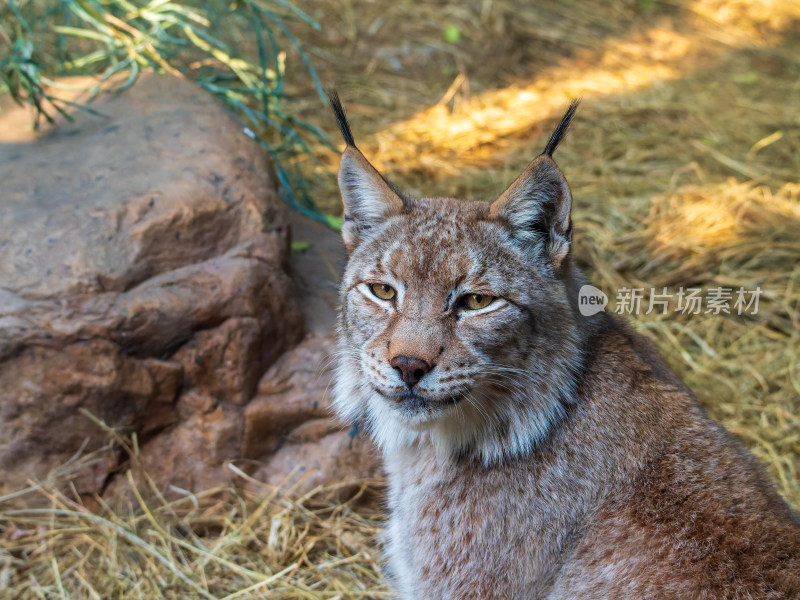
(247, 541)
(744, 369)
(684, 163)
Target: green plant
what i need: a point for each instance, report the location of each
(210, 42)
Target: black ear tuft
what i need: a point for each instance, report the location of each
(341, 118)
(561, 129)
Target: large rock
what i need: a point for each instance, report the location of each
(144, 278)
(290, 437)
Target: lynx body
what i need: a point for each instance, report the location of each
(533, 452)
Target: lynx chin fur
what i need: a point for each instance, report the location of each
(533, 452)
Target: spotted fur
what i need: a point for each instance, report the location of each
(544, 454)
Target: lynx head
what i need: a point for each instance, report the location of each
(458, 320)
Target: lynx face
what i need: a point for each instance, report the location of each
(454, 312)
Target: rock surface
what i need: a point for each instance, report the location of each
(288, 422)
(146, 277)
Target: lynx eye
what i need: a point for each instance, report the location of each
(477, 301)
(382, 291)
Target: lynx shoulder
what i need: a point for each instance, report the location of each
(532, 451)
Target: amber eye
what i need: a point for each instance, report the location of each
(477, 301)
(382, 291)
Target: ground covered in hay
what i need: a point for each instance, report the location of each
(684, 163)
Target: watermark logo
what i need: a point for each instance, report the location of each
(591, 300)
(688, 301)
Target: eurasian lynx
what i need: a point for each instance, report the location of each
(533, 452)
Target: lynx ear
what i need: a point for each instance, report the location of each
(537, 205)
(368, 198)
(537, 208)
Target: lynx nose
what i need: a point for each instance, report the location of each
(411, 369)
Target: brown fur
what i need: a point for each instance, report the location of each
(545, 454)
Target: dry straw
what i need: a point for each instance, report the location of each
(244, 541)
